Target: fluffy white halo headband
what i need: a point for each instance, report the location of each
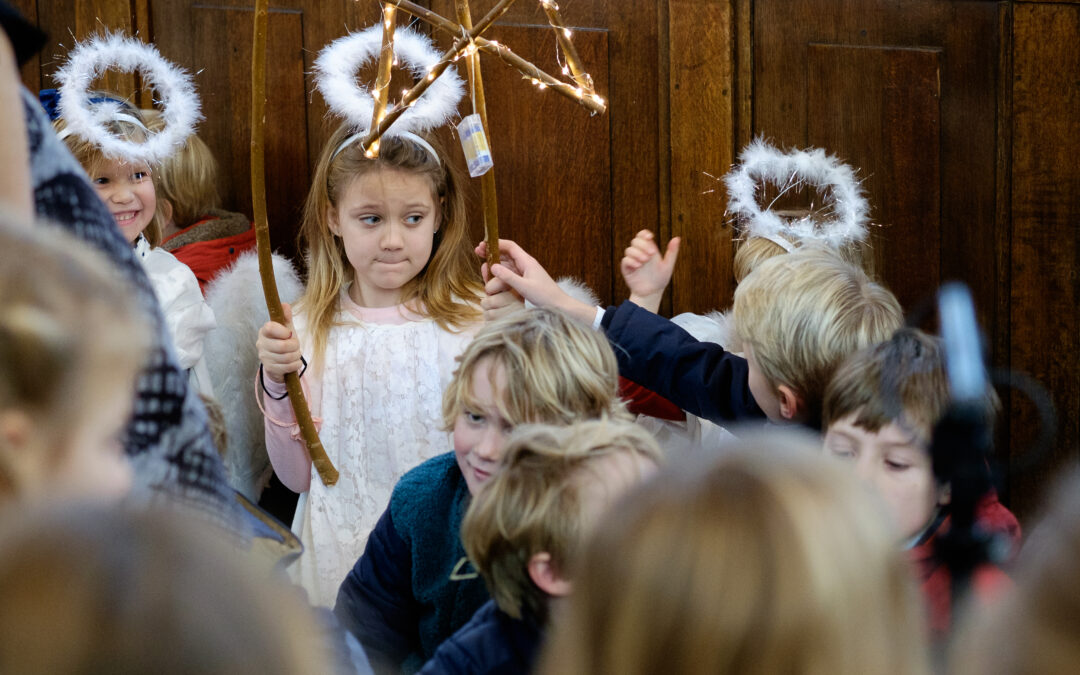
(335, 76)
(173, 88)
(762, 163)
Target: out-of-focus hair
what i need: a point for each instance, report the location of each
(770, 560)
(70, 331)
(107, 590)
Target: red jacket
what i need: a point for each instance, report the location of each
(987, 582)
(211, 244)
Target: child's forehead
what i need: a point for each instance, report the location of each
(108, 166)
(897, 432)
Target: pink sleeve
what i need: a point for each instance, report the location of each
(287, 451)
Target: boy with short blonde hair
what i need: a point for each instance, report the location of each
(799, 315)
(880, 412)
(524, 530)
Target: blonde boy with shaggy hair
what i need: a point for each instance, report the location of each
(414, 587)
(798, 316)
(524, 530)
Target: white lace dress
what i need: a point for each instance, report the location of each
(378, 394)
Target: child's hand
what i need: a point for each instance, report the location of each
(524, 274)
(646, 272)
(279, 349)
(501, 299)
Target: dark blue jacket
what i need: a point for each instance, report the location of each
(699, 377)
(492, 643)
(413, 587)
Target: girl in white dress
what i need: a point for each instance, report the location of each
(392, 297)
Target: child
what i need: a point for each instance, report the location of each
(880, 411)
(798, 316)
(414, 587)
(107, 590)
(194, 227)
(71, 344)
(392, 297)
(523, 532)
(127, 188)
(766, 560)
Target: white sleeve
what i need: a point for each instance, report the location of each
(187, 315)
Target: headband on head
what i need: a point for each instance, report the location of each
(404, 134)
(761, 163)
(88, 117)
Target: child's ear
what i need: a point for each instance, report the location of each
(166, 210)
(792, 403)
(547, 578)
(18, 461)
(332, 221)
(944, 494)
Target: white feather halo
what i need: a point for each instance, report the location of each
(172, 85)
(338, 62)
(760, 162)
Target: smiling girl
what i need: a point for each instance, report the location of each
(127, 188)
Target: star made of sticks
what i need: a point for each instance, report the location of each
(469, 41)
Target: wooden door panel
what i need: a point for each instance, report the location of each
(966, 37)
(882, 106)
(225, 87)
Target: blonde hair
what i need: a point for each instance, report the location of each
(804, 313)
(445, 290)
(533, 504)
(1033, 627)
(557, 371)
(107, 590)
(68, 326)
(752, 251)
(770, 560)
(900, 380)
(90, 156)
(188, 179)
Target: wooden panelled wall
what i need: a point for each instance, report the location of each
(963, 117)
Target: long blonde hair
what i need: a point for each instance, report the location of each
(444, 290)
(771, 559)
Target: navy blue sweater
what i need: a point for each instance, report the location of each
(492, 643)
(699, 377)
(413, 587)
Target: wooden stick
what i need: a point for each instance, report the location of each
(327, 472)
(583, 79)
(593, 103)
(382, 81)
(487, 180)
(420, 87)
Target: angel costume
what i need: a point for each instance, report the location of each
(377, 394)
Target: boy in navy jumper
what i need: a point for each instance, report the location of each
(413, 587)
(524, 529)
(798, 316)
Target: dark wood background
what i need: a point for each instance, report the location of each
(963, 117)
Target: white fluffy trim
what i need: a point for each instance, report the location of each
(715, 327)
(762, 163)
(338, 62)
(173, 87)
(236, 297)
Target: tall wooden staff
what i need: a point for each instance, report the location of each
(327, 473)
(487, 180)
